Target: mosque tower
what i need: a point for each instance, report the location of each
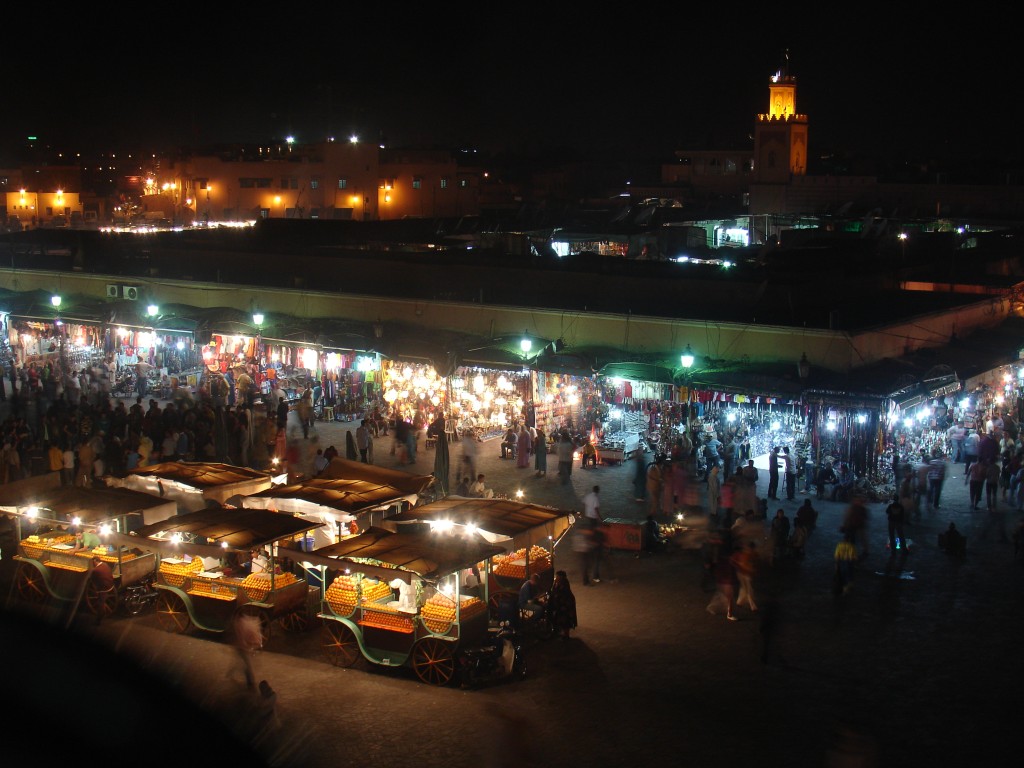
(780, 135)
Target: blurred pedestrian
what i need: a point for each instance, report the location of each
(855, 524)
(639, 475)
(744, 561)
(845, 557)
(779, 535)
(725, 585)
(247, 638)
(897, 516)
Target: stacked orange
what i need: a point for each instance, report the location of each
(257, 585)
(175, 573)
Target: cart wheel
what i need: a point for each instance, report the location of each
(501, 604)
(31, 585)
(296, 621)
(172, 613)
(339, 644)
(434, 661)
(92, 600)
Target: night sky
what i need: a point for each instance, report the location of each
(630, 81)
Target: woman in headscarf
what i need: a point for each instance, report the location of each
(540, 453)
(524, 448)
(562, 605)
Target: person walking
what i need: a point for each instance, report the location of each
(247, 638)
(470, 450)
(363, 441)
(639, 475)
(725, 586)
(654, 486)
(592, 508)
(976, 474)
(855, 524)
(714, 491)
(524, 448)
(779, 535)
(845, 557)
(565, 451)
(790, 467)
(773, 473)
(936, 477)
(897, 516)
(744, 561)
(540, 453)
(992, 472)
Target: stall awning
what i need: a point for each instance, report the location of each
(344, 469)
(417, 549)
(234, 528)
(525, 524)
(638, 372)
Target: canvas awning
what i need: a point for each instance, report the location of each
(91, 505)
(235, 528)
(344, 469)
(525, 524)
(414, 549)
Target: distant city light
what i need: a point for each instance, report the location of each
(353, 139)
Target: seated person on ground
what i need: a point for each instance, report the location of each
(530, 605)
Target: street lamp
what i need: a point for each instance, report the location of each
(686, 360)
(209, 186)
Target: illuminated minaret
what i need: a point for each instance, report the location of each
(780, 135)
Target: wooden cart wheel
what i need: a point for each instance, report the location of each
(433, 660)
(296, 621)
(339, 644)
(31, 585)
(92, 600)
(172, 613)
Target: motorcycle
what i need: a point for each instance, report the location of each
(138, 597)
(499, 657)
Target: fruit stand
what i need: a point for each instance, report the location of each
(426, 623)
(528, 532)
(198, 585)
(60, 532)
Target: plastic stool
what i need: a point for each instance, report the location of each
(329, 412)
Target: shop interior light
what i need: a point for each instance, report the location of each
(831, 426)
(257, 317)
(966, 402)
(526, 344)
(776, 426)
(861, 418)
(152, 310)
(908, 423)
(519, 493)
(55, 301)
(730, 417)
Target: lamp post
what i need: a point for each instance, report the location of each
(209, 186)
(686, 360)
(58, 327)
(526, 344)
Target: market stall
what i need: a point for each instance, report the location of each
(426, 622)
(194, 485)
(341, 506)
(529, 533)
(202, 577)
(60, 530)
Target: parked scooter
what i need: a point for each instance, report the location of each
(139, 597)
(498, 658)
